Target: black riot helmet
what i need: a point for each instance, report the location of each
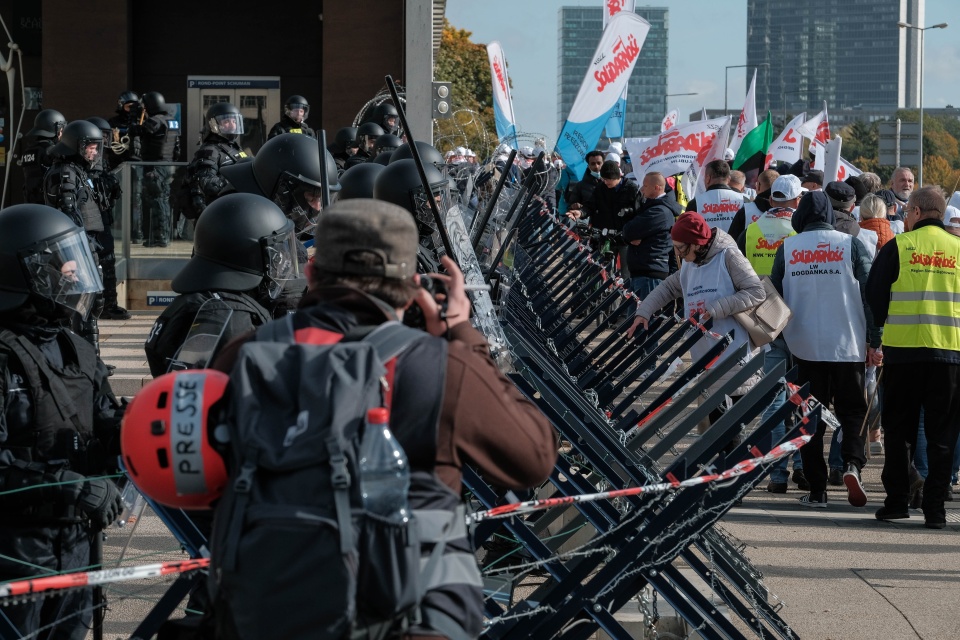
(387, 142)
(45, 255)
(367, 135)
(287, 171)
(358, 181)
(346, 138)
(241, 241)
(127, 97)
(224, 120)
(81, 140)
(293, 106)
(382, 158)
(102, 124)
(400, 184)
(428, 154)
(154, 103)
(387, 117)
(49, 123)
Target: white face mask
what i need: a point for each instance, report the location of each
(595, 174)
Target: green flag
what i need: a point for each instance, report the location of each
(753, 150)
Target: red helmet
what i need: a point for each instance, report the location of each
(165, 439)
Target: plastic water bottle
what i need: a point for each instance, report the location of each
(384, 470)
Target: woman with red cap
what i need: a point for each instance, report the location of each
(715, 281)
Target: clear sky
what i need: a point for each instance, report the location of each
(704, 37)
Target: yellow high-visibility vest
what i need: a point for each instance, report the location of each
(925, 300)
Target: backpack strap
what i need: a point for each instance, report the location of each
(389, 340)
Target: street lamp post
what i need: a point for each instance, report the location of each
(725, 76)
(790, 93)
(907, 25)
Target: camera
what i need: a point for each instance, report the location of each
(413, 316)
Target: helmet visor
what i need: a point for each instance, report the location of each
(297, 111)
(91, 150)
(424, 214)
(280, 260)
(228, 125)
(62, 269)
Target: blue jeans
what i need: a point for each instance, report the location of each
(642, 286)
(778, 353)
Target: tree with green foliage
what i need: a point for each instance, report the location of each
(465, 65)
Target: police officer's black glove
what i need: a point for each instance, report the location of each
(98, 498)
(198, 206)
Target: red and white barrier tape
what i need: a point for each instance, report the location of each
(508, 510)
(92, 578)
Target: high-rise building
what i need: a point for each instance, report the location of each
(850, 54)
(580, 31)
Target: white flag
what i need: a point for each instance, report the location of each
(748, 117)
(844, 169)
(816, 128)
(502, 102)
(786, 148)
(692, 183)
(669, 121)
(672, 151)
(613, 7)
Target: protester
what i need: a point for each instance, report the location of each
(828, 335)
(873, 217)
(812, 180)
(719, 204)
(914, 290)
(750, 211)
(579, 193)
(901, 183)
(871, 181)
(649, 249)
(842, 199)
(364, 275)
(715, 281)
(759, 243)
(894, 216)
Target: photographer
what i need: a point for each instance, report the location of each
(447, 390)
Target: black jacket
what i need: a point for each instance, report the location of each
(651, 225)
(581, 192)
(288, 125)
(605, 208)
(739, 223)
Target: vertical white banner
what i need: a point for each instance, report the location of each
(669, 121)
(787, 147)
(617, 122)
(502, 100)
(613, 7)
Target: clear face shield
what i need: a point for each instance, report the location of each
(229, 125)
(442, 195)
(61, 269)
(280, 260)
(298, 112)
(300, 199)
(91, 150)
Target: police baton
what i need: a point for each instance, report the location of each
(441, 228)
(325, 191)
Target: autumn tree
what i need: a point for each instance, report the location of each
(465, 65)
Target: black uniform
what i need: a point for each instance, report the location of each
(157, 144)
(170, 330)
(106, 192)
(203, 182)
(35, 160)
(59, 418)
(289, 125)
(123, 123)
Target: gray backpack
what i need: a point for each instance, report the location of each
(291, 545)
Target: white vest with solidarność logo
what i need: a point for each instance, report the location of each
(819, 286)
(719, 206)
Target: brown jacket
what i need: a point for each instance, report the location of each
(484, 420)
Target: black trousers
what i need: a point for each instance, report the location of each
(839, 383)
(907, 388)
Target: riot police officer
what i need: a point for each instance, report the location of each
(59, 430)
(157, 143)
(122, 146)
(344, 146)
(358, 181)
(385, 115)
(67, 187)
(296, 109)
(106, 191)
(242, 274)
(36, 157)
(367, 135)
(400, 184)
(287, 171)
(203, 181)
